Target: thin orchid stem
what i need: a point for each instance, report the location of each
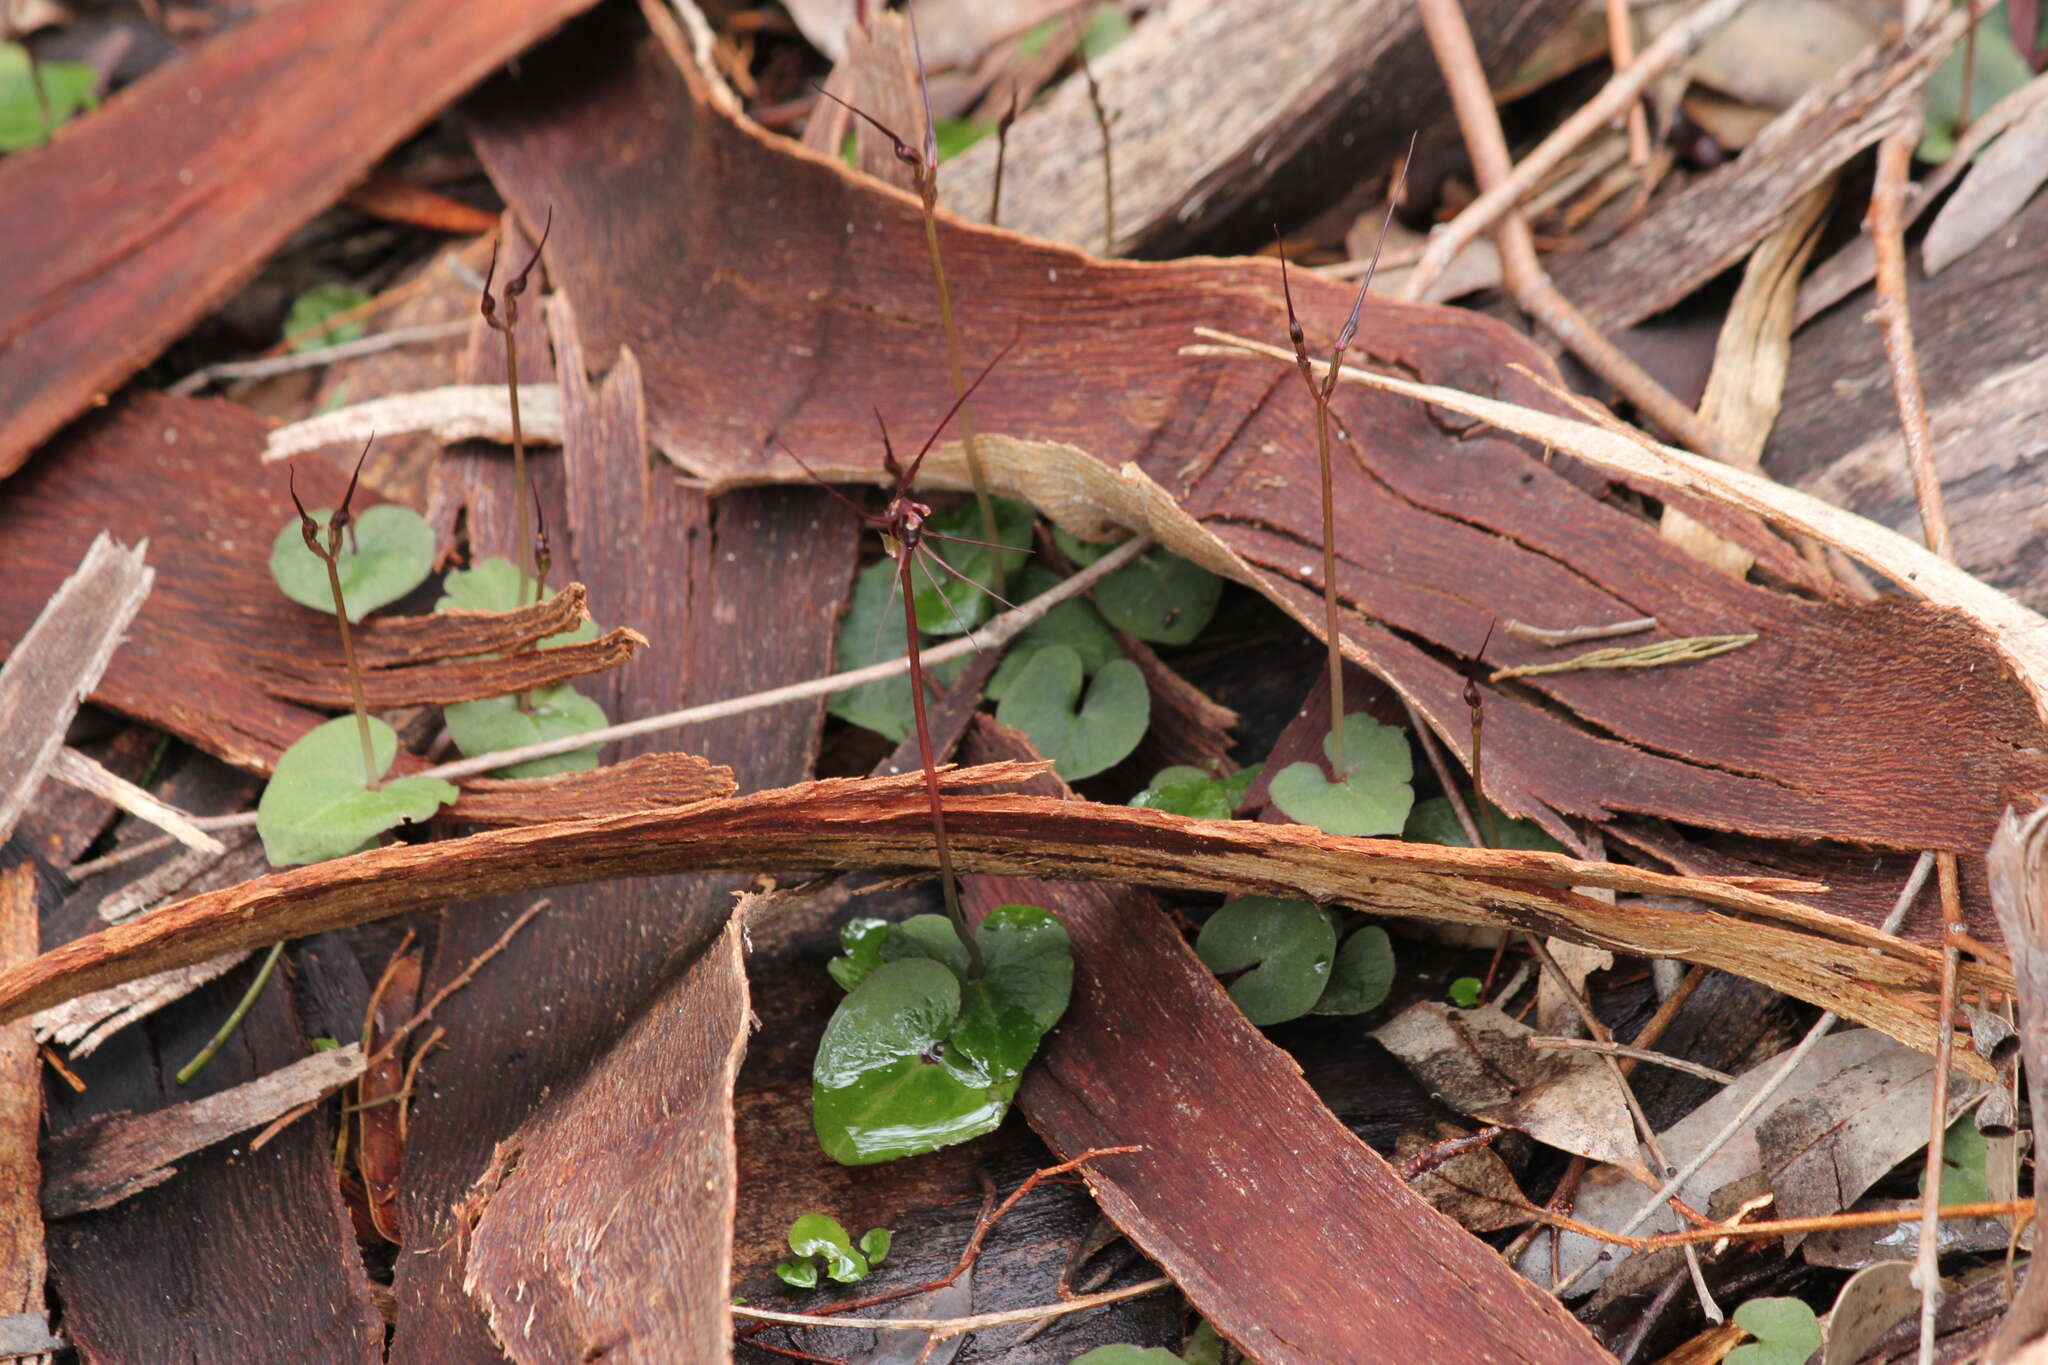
(355, 672)
(948, 886)
(234, 1020)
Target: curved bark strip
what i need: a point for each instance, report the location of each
(884, 824)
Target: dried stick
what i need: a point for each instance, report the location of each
(942, 1329)
(1675, 43)
(1621, 53)
(1770, 1087)
(1458, 59)
(75, 769)
(1102, 125)
(267, 366)
(1572, 635)
(1639, 1054)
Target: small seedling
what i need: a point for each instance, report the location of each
(508, 326)
(306, 325)
(1184, 790)
(924, 175)
(1319, 394)
(1465, 991)
(1288, 962)
(1372, 794)
(315, 807)
(1786, 1333)
(818, 1239)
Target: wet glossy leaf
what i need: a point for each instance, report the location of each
(860, 951)
(1285, 948)
(314, 307)
(798, 1274)
(926, 936)
(387, 552)
(875, 1244)
(68, 86)
(1434, 822)
(871, 631)
(820, 1235)
(493, 585)
(1963, 1151)
(1102, 733)
(483, 727)
(1373, 799)
(1185, 790)
(1159, 597)
(945, 604)
(914, 1059)
(1786, 1333)
(317, 806)
(1362, 974)
(1074, 622)
(1464, 992)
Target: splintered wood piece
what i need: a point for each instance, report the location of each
(1239, 1152)
(380, 1094)
(150, 211)
(104, 1161)
(23, 1265)
(645, 783)
(559, 1272)
(311, 683)
(1906, 730)
(1283, 98)
(884, 824)
(60, 659)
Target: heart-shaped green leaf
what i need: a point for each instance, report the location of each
(798, 1274)
(860, 951)
(1073, 622)
(1465, 991)
(386, 553)
(1963, 1178)
(317, 806)
(493, 585)
(494, 723)
(875, 1244)
(1374, 797)
(1288, 945)
(1362, 976)
(68, 86)
(926, 936)
(1108, 726)
(945, 604)
(819, 1235)
(1434, 822)
(1158, 597)
(914, 1060)
(870, 632)
(1786, 1333)
(1184, 790)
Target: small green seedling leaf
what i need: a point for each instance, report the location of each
(860, 944)
(1434, 822)
(870, 632)
(1289, 947)
(316, 806)
(494, 723)
(1963, 1152)
(1786, 1333)
(1185, 790)
(1074, 622)
(1159, 597)
(314, 307)
(819, 1235)
(386, 553)
(947, 605)
(1464, 992)
(915, 1059)
(1101, 734)
(801, 1274)
(875, 1244)
(493, 585)
(1363, 974)
(1374, 797)
(1128, 1355)
(69, 87)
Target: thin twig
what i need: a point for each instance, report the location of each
(944, 1328)
(268, 366)
(1765, 1092)
(78, 872)
(1778, 1227)
(1675, 43)
(1888, 237)
(1621, 53)
(1705, 1073)
(461, 979)
(999, 631)
(1442, 768)
(75, 769)
(1102, 124)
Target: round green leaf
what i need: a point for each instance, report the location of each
(1128, 1355)
(875, 1244)
(1028, 961)
(494, 723)
(1101, 734)
(387, 552)
(1434, 822)
(945, 604)
(1963, 1152)
(820, 1235)
(1786, 1333)
(1200, 799)
(1374, 798)
(1289, 947)
(1362, 976)
(1158, 597)
(798, 1274)
(1074, 622)
(1464, 992)
(317, 805)
(493, 585)
(860, 943)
